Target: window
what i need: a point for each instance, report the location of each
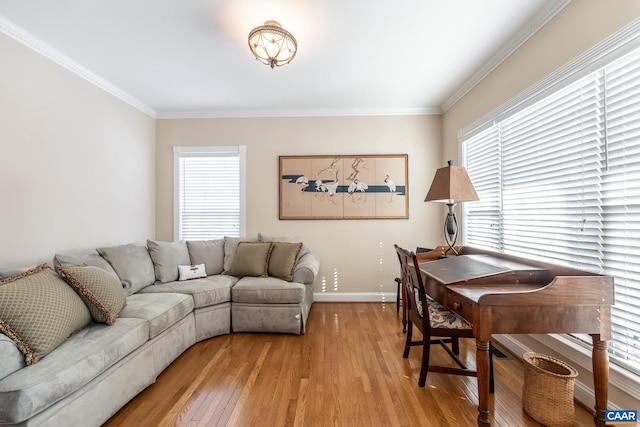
(559, 181)
(208, 192)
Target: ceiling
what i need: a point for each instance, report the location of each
(190, 58)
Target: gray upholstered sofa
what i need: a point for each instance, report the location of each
(99, 368)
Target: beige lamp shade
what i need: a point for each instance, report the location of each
(451, 184)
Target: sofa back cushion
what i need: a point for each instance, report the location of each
(207, 252)
(95, 260)
(133, 265)
(38, 311)
(100, 291)
(166, 257)
(284, 239)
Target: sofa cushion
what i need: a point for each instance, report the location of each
(166, 257)
(6, 272)
(267, 290)
(75, 363)
(133, 265)
(230, 247)
(284, 239)
(11, 357)
(95, 260)
(39, 311)
(101, 292)
(160, 310)
(206, 292)
(207, 252)
(283, 259)
(251, 259)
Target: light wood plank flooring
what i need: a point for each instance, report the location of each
(347, 370)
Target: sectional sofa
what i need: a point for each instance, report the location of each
(130, 311)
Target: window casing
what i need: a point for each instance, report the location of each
(209, 192)
(559, 181)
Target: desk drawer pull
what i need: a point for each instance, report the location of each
(457, 305)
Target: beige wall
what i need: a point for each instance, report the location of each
(357, 255)
(77, 165)
(578, 27)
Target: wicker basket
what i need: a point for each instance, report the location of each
(547, 394)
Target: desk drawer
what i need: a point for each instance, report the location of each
(460, 305)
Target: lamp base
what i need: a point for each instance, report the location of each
(451, 229)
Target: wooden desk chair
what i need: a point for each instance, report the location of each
(437, 324)
(400, 292)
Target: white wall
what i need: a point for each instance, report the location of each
(77, 165)
(357, 255)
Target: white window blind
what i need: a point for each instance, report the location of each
(209, 192)
(559, 181)
(483, 221)
(621, 203)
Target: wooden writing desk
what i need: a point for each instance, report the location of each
(502, 294)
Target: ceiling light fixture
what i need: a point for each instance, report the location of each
(272, 45)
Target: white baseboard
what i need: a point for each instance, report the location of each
(389, 297)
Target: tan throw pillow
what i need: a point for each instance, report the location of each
(283, 259)
(101, 292)
(38, 311)
(230, 248)
(251, 259)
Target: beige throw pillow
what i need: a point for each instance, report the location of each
(101, 292)
(283, 259)
(251, 259)
(38, 311)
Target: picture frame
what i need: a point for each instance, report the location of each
(344, 187)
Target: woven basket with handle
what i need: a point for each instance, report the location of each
(547, 394)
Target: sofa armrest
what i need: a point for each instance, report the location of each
(307, 269)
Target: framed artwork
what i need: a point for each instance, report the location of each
(344, 187)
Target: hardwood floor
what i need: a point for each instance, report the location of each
(347, 370)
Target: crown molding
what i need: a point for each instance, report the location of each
(346, 112)
(20, 35)
(545, 15)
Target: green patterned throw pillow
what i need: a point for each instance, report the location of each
(39, 311)
(101, 292)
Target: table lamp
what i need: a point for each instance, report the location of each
(451, 185)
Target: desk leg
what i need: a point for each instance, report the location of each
(600, 365)
(482, 362)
